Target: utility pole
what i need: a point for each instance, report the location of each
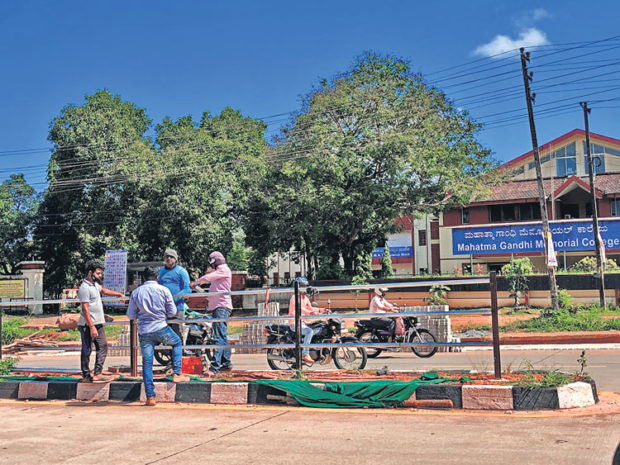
(529, 98)
(597, 238)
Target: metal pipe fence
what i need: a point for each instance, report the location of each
(298, 317)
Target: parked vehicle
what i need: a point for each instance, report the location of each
(350, 358)
(368, 332)
(198, 333)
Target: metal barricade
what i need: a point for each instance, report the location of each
(298, 346)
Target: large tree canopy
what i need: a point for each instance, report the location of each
(369, 146)
(89, 204)
(18, 207)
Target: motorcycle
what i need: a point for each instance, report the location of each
(198, 333)
(348, 358)
(367, 331)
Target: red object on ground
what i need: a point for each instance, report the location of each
(191, 365)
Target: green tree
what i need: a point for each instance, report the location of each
(516, 274)
(367, 147)
(18, 206)
(204, 176)
(386, 264)
(99, 158)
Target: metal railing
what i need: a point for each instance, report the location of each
(298, 346)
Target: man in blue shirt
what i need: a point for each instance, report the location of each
(176, 279)
(151, 304)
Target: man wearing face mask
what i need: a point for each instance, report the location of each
(221, 305)
(92, 320)
(176, 279)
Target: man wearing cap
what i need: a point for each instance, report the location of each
(379, 304)
(221, 305)
(176, 279)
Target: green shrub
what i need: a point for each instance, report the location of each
(7, 364)
(515, 273)
(438, 295)
(588, 265)
(565, 300)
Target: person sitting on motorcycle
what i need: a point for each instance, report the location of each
(379, 304)
(306, 309)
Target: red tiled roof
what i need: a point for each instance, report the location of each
(527, 190)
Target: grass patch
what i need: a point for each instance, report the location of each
(581, 319)
(11, 329)
(111, 332)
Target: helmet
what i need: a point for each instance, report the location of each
(216, 259)
(303, 282)
(380, 291)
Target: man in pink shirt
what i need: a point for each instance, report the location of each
(221, 306)
(306, 309)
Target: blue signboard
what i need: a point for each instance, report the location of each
(516, 238)
(395, 252)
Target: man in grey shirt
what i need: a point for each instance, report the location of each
(92, 320)
(151, 304)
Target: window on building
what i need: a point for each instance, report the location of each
(529, 211)
(589, 210)
(422, 237)
(464, 215)
(598, 153)
(501, 213)
(615, 207)
(565, 161)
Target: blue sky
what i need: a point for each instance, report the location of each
(186, 57)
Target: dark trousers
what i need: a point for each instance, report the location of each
(101, 347)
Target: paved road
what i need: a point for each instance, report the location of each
(603, 365)
(60, 433)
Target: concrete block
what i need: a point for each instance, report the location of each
(9, 389)
(488, 397)
(95, 392)
(575, 395)
(125, 391)
(440, 391)
(229, 393)
(164, 392)
(534, 398)
(33, 390)
(193, 392)
(61, 390)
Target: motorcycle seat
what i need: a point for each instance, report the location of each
(279, 329)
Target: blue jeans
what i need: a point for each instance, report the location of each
(221, 357)
(307, 334)
(165, 336)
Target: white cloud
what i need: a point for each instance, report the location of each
(529, 38)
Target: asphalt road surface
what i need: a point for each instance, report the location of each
(72, 433)
(602, 365)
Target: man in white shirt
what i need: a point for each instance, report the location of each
(379, 304)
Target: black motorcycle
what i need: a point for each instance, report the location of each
(369, 331)
(198, 333)
(348, 358)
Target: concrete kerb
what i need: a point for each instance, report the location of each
(467, 397)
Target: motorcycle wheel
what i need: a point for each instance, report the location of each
(163, 357)
(349, 358)
(424, 336)
(287, 364)
(371, 352)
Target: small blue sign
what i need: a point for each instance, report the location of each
(517, 238)
(395, 252)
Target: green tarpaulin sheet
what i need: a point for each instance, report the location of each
(374, 394)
